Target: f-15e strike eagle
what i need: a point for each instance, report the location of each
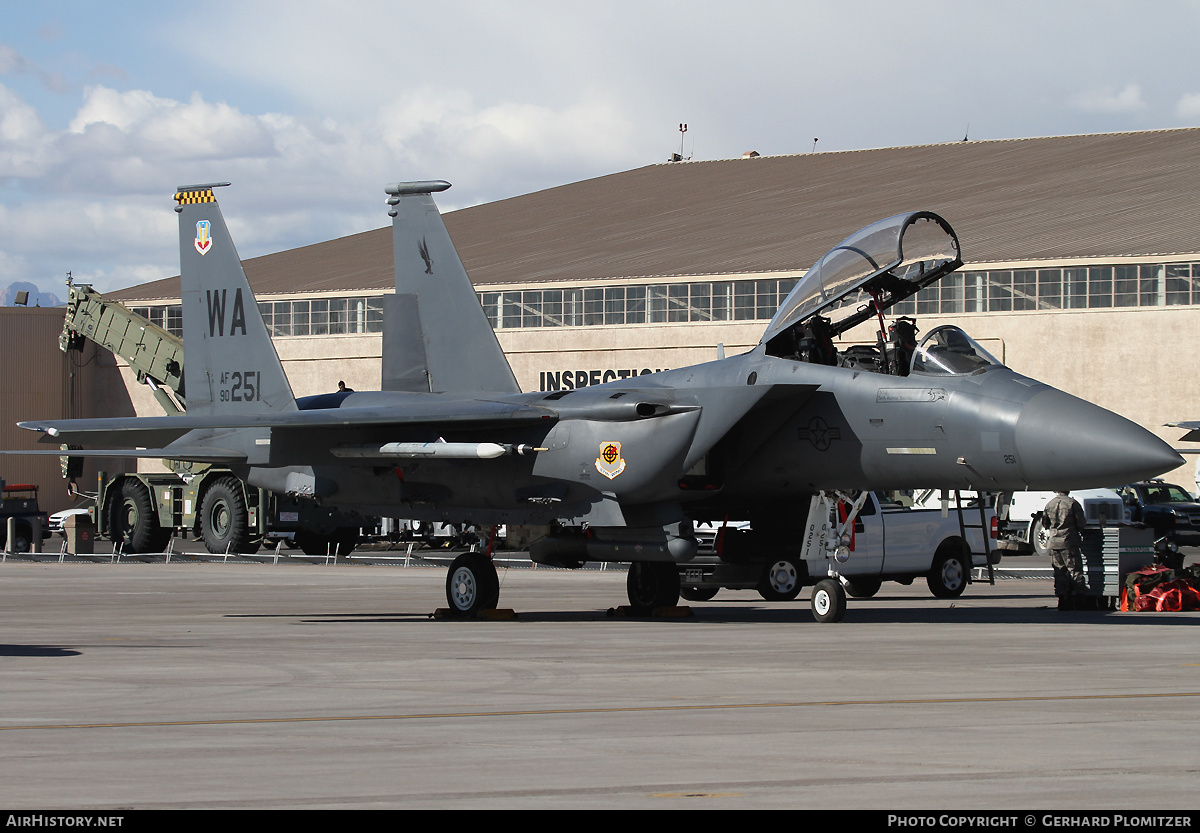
(620, 471)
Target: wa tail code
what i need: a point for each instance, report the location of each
(216, 313)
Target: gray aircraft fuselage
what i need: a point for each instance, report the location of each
(452, 438)
(766, 429)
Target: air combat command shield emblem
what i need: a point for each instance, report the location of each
(203, 236)
(610, 462)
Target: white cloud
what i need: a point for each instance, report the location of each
(24, 142)
(1109, 100)
(1188, 106)
(172, 129)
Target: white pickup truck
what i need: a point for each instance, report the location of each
(890, 543)
(1021, 528)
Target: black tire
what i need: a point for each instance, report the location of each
(133, 520)
(948, 578)
(310, 543)
(472, 584)
(344, 539)
(652, 584)
(828, 601)
(698, 594)
(224, 519)
(22, 537)
(863, 587)
(782, 580)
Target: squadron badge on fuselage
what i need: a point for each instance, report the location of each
(610, 463)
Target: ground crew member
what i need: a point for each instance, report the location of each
(1064, 520)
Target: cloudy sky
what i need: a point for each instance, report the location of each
(309, 108)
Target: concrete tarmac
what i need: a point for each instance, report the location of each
(299, 686)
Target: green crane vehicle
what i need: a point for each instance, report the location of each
(141, 511)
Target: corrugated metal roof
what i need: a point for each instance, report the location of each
(1104, 195)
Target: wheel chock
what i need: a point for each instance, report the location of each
(503, 614)
(630, 612)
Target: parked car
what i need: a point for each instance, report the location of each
(1169, 510)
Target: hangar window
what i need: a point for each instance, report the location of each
(281, 318)
(1024, 289)
(531, 308)
(928, 302)
(614, 305)
(318, 317)
(1100, 287)
(1075, 283)
(635, 305)
(677, 303)
(1049, 289)
(744, 301)
(1181, 286)
(593, 307)
(300, 318)
(700, 302)
(1152, 289)
(572, 307)
(1082, 287)
(1125, 286)
(552, 308)
(338, 320)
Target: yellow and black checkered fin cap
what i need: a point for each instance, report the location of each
(198, 196)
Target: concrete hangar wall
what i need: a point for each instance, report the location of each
(1082, 266)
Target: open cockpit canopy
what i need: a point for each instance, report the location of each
(870, 271)
(948, 351)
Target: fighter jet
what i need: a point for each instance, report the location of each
(621, 471)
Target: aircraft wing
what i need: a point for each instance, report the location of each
(191, 454)
(1193, 431)
(140, 431)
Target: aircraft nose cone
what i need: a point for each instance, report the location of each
(1064, 442)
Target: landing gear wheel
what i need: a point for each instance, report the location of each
(224, 519)
(652, 584)
(948, 578)
(697, 594)
(828, 601)
(133, 521)
(863, 587)
(472, 584)
(781, 581)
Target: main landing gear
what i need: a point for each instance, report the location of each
(652, 584)
(472, 584)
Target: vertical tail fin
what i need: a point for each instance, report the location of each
(232, 366)
(436, 337)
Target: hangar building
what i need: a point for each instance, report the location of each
(1082, 266)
